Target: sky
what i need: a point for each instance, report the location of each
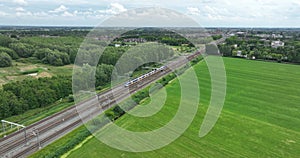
(208, 13)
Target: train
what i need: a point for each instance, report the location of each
(154, 71)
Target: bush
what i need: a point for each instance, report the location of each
(114, 113)
(70, 98)
(22, 49)
(10, 52)
(36, 70)
(62, 146)
(5, 41)
(5, 60)
(56, 58)
(196, 60)
(165, 80)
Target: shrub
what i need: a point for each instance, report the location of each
(5, 60)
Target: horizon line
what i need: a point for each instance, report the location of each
(92, 26)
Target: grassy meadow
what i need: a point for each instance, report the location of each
(260, 117)
(19, 71)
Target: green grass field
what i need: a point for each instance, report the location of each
(260, 116)
(20, 71)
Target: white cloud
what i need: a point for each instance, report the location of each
(60, 9)
(67, 14)
(40, 14)
(193, 11)
(214, 17)
(213, 13)
(115, 8)
(20, 14)
(208, 12)
(297, 2)
(3, 13)
(20, 9)
(20, 2)
(118, 6)
(84, 13)
(150, 17)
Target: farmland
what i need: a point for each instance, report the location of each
(260, 117)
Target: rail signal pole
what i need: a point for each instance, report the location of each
(26, 140)
(36, 133)
(15, 124)
(98, 96)
(3, 127)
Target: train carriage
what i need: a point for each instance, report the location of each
(154, 71)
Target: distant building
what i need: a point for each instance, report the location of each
(276, 44)
(137, 40)
(263, 35)
(117, 45)
(276, 36)
(288, 36)
(239, 53)
(240, 34)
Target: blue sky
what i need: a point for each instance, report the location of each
(226, 13)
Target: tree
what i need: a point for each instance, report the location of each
(5, 41)
(233, 40)
(22, 49)
(42, 53)
(46, 97)
(10, 52)
(84, 78)
(4, 106)
(55, 58)
(216, 37)
(5, 60)
(17, 106)
(211, 49)
(103, 74)
(225, 50)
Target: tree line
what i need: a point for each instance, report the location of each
(261, 49)
(156, 35)
(20, 96)
(55, 51)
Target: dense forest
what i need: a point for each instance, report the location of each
(18, 97)
(58, 49)
(55, 51)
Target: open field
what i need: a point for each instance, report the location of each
(20, 71)
(260, 116)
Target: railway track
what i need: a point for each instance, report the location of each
(53, 127)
